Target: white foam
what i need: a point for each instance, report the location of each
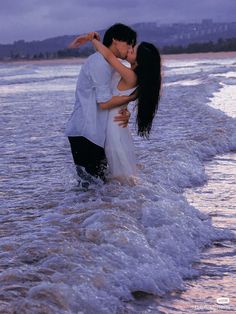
(91, 250)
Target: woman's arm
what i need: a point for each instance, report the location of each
(127, 74)
(115, 101)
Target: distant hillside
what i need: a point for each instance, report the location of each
(184, 34)
(29, 49)
(174, 35)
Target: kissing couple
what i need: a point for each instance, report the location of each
(101, 143)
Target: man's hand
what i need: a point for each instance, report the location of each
(123, 118)
(80, 40)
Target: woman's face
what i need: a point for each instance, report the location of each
(132, 54)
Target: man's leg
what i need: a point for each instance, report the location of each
(88, 155)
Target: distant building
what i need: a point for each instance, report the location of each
(207, 22)
(206, 30)
(176, 34)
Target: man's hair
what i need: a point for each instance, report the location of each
(119, 32)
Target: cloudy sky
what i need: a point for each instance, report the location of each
(41, 19)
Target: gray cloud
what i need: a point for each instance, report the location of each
(39, 19)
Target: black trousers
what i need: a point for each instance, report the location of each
(88, 155)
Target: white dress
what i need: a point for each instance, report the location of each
(119, 146)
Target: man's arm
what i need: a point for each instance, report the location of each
(124, 115)
(101, 75)
(117, 101)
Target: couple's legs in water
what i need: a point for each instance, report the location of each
(90, 160)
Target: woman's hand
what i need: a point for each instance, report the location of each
(80, 40)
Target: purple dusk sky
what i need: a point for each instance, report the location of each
(41, 19)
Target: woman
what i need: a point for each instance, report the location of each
(144, 76)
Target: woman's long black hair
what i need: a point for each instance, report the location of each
(148, 72)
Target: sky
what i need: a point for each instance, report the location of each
(40, 19)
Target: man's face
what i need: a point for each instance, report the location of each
(132, 54)
(122, 48)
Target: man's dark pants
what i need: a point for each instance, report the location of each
(88, 155)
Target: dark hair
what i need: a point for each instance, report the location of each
(148, 72)
(120, 32)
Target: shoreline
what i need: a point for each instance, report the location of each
(201, 55)
(81, 60)
(78, 60)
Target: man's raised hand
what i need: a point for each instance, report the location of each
(82, 39)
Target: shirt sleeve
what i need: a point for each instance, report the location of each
(101, 74)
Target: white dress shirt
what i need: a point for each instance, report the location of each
(94, 86)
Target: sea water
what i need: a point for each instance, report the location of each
(65, 250)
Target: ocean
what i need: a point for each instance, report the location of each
(165, 245)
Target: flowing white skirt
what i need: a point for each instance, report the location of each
(119, 148)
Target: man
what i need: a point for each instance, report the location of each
(86, 129)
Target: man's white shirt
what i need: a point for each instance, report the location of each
(94, 85)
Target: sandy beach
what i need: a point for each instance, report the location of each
(182, 56)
